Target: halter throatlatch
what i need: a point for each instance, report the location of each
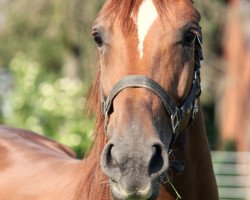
(189, 106)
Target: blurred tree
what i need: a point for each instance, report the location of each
(46, 54)
(50, 32)
(234, 107)
(212, 65)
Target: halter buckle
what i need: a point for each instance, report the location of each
(199, 45)
(103, 105)
(106, 121)
(175, 122)
(195, 108)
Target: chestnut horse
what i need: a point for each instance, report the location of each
(150, 143)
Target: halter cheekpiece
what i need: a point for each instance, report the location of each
(189, 106)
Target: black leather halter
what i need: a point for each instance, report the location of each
(189, 106)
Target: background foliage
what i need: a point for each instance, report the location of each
(47, 62)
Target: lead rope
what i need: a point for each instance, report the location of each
(176, 192)
(178, 196)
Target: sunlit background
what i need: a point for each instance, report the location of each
(48, 61)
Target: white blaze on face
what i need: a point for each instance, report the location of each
(147, 14)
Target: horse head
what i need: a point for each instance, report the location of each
(149, 83)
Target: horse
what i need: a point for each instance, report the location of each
(150, 141)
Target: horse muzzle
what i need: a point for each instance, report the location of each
(139, 194)
(134, 167)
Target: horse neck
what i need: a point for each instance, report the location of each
(198, 173)
(94, 184)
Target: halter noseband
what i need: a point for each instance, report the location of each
(189, 106)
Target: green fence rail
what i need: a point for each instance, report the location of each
(232, 170)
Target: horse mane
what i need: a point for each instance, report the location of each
(94, 107)
(92, 171)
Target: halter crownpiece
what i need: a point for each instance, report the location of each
(189, 106)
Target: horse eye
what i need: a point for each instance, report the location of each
(189, 38)
(98, 38)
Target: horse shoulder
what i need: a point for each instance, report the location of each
(10, 136)
(34, 167)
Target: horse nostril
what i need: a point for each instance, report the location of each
(157, 161)
(109, 163)
(109, 157)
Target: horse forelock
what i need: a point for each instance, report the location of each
(125, 11)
